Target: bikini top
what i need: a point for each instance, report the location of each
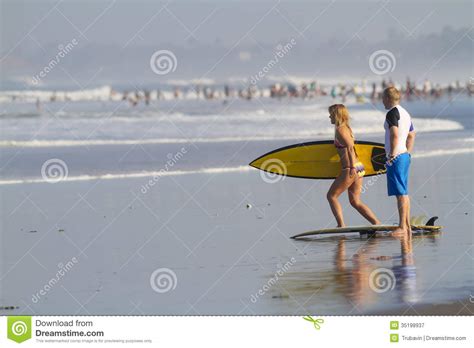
(338, 145)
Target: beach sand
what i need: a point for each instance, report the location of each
(220, 242)
(459, 307)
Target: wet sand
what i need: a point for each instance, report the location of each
(459, 307)
(222, 242)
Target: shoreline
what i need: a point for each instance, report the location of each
(211, 170)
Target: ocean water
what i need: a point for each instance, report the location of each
(100, 138)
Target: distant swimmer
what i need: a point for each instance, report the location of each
(409, 89)
(147, 97)
(373, 95)
(343, 92)
(426, 88)
(249, 93)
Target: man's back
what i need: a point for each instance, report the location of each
(400, 118)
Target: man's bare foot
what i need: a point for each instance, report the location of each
(399, 232)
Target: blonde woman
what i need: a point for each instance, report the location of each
(352, 171)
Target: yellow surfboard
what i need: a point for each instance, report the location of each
(319, 160)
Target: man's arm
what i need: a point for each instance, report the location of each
(411, 138)
(393, 140)
(411, 141)
(392, 118)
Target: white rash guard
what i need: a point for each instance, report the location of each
(397, 117)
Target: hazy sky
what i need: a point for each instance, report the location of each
(223, 38)
(143, 21)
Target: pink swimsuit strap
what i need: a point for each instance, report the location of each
(338, 145)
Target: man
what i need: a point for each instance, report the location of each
(399, 142)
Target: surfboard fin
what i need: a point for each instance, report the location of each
(417, 220)
(431, 221)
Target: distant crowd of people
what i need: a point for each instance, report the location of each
(410, 91)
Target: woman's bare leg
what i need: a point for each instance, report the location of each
(339, 185)
(354, 198)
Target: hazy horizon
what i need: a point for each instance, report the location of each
(223, 41)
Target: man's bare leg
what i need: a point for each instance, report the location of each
(403, 208)
(408, 203)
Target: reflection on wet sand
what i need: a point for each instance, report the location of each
(357, 280)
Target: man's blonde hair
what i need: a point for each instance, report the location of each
(392, 94)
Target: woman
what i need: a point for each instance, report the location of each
(352, 171)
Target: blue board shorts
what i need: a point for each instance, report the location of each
(397, 175)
